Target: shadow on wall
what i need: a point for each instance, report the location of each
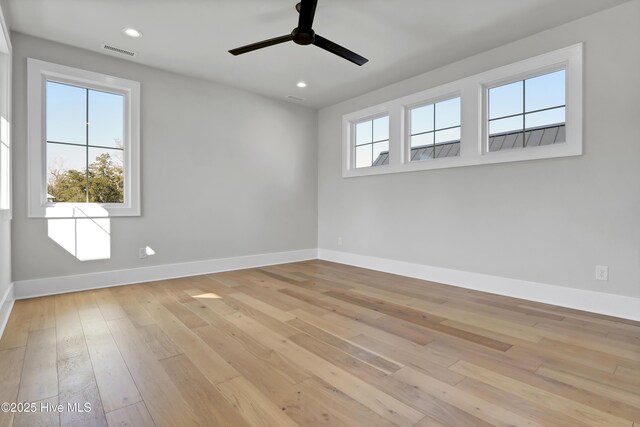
(86, 237)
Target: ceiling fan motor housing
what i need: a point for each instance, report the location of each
(303, 37)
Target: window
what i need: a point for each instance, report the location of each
(435, 130)
(5, 166)
(85, 152)
(527, 113)
(5, 136)
(83, 143)
(372, 142)
(528, 110)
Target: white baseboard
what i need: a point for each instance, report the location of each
(64, 284)
(6, 305)
(597, 302)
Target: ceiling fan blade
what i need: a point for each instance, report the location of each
(307, 12)
(260, 45)
(336, 49)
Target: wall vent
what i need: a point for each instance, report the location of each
(295, 98)
(118, 50)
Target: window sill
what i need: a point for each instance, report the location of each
(513, 155)
(83, 210)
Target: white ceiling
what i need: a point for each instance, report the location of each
(401, 38)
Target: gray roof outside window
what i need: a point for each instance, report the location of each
(545, 135)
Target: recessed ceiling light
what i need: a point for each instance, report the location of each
(301, 84)
(132, 32)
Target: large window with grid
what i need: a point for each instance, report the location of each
(528, 112)
(83, 142)
(435, 130)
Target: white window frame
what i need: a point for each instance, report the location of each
(5, 127)
(378, 115)
(473, 93)
(38, 73)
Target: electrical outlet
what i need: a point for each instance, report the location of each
(340, 241)
(602, 272)
(142, 253)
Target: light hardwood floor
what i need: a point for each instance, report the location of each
(313, 344)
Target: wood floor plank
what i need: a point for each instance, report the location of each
(11, 361)
(16, 331)
(115, 383)
(39, 418)
(361, 353)
(430, 388)
(208, 404)
(210, 363)
(371, 397)
(255, 407)
(159, 343)
(166, 405)
(580, 412)
(39, 372)
(135, 415)
(317, 403)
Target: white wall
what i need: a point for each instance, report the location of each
(224, 172)
(544, 221)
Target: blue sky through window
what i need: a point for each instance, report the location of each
(66, 113)
(516, 106)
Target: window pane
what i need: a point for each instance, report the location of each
(364, 156)
(364, 132)
(448, 135)
(381, 129)
(106, 119)
(4, 176)
(422, 119)
(505, 125)
(66, 113)
(505, 100)
(66, 177)
(378, 148)
(106, 176)
(545, 118)
(545, 91)
(422, 140)
(448, 113)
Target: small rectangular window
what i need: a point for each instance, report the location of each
(527, 113)
(372, 142)
(435, 130)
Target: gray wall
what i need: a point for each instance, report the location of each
(224, 172)
(547, 221)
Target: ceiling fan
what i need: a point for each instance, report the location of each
(303, 34)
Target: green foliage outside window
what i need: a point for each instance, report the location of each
(103, 182)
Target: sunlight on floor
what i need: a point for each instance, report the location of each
(210, 295)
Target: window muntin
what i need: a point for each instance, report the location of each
(528, 112)
(84, 144)
(371, 142)
(434, 130)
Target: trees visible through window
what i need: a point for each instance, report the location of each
(372, 142)
(84, 144)
(528, 112)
